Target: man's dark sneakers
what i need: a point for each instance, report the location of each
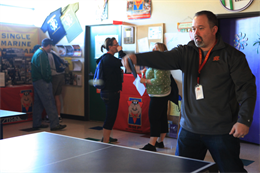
(48, 121)
(58, 127)
(159, 144)
(41, 126)
(149, 147)
(110, 140)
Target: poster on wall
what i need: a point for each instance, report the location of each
(101, 10)
(138, 9)
(19, 37)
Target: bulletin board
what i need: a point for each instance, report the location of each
(148, 34)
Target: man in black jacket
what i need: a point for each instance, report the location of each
(219, 93)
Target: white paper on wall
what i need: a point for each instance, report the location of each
(173, 39)
(155, 32)
(143, 45)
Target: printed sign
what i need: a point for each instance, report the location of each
(135, 111)
(138, 9)
(19, 37)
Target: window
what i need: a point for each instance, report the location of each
(16, 14)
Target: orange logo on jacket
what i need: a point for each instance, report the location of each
(216, 58)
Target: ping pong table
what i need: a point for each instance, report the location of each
(5, 114)
(46, 152)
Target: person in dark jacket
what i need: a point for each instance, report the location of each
(113, 79)
(219, 93)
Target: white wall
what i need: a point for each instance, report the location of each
(169, 12)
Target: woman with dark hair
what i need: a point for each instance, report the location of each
(158, 85)
(113, 79)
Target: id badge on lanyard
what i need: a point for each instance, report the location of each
(199, 92)
(198, 88)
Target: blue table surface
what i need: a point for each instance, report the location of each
(46, 152)
(5, 113)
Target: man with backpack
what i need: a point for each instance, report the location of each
(58, 79)
(43, 95)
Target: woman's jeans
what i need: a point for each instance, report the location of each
(111, 100)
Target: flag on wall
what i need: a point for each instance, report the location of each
(53, 25)
(70, 21)
(13, 36)
(138, 9)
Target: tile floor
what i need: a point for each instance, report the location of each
(81, 129)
